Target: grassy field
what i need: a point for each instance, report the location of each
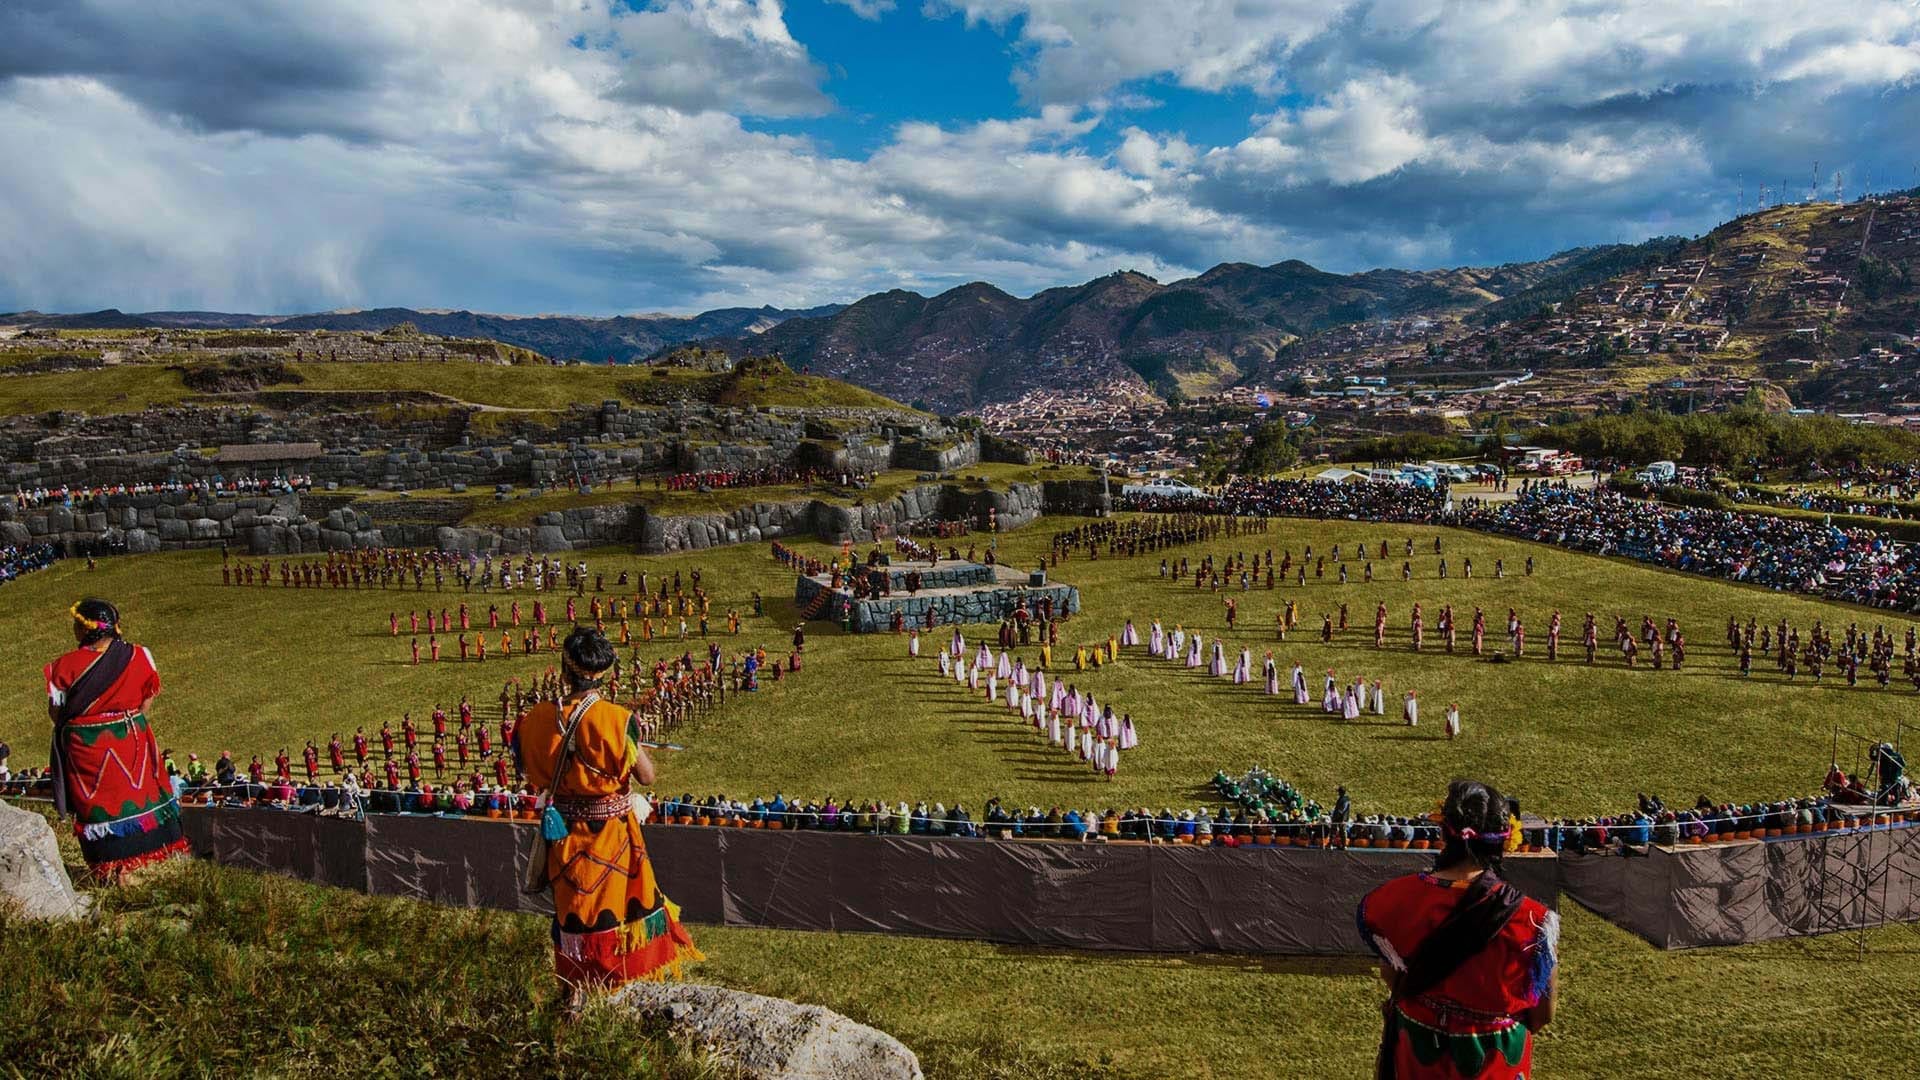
(202, 971)
(253, 670)
(133, 387)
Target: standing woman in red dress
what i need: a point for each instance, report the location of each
(1468, 960)
(107, 771)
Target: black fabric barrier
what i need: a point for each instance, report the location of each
(1161, 898)
(1731, 894)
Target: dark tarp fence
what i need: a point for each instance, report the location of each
(1161, 898)
(1731, 894)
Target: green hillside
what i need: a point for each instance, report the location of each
(131, 387)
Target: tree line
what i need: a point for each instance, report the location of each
(1736, 439)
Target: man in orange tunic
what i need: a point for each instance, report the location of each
(611, 922)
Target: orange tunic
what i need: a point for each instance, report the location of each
(611, 923)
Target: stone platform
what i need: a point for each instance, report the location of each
(955, 591)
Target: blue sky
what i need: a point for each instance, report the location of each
(896, 67)
(600, 157)
(905, 65)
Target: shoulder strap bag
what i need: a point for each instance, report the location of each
(552, 827)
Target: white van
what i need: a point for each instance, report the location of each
(1660, 472)
(1163, 489)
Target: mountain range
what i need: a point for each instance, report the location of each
(976, 344)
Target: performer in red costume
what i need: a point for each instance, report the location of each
(106, 765)
(1468, 960)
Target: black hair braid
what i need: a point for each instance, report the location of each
(104, 617)
(1474, 807)
(588, 654)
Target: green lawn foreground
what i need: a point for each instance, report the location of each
(204, 970)
(255, 669)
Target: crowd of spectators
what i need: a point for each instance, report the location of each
(217, 487)
(1254, 809)
(766, 475)
(1855, 565)
(1406, 503)
(21, 559)
(471, 796)
(1817, 500)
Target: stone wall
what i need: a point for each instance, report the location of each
(145, 523)
(950, 576)
(984, 605)
(373, 441)
(281, 525)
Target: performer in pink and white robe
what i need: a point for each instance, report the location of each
(973, 676)
(1410, 710)
(1053, 731)
(1058, 699)
(1156, 639)
(1196, 654)
(1379, 699)
(1243, 671)
(1128, 737)
(993, 686)
(1129, 636)
(959, 646)
(1004, 668)
(1176, 642)
(983, 657)
(1330, 694)
(1218, 667)
(1301, 696)
(1270, 674)
(1351, 707)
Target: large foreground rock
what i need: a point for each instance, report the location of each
(771, 1039)
(31, 873)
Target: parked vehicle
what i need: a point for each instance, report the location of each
(1660, 472)
(1163, 489)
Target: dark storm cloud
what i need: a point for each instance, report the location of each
(285, 69)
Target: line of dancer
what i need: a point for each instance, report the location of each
(1066, 717)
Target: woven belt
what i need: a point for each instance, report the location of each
(604, 808)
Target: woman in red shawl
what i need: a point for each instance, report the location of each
(1469, 962)
(107, 770)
